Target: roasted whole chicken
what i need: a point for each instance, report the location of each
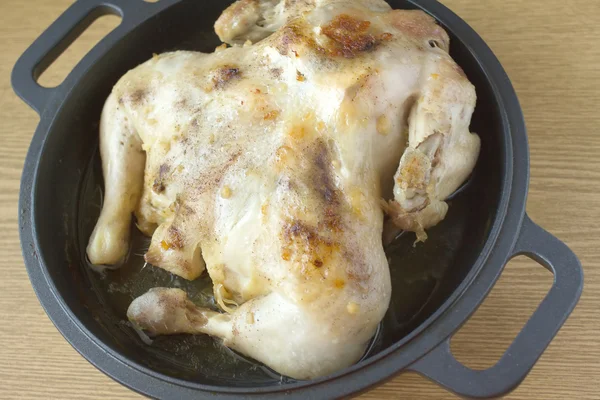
(271, 163)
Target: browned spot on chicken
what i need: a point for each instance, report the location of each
(296, 3)
(137, 96)
(226, 192)
(223, 75)
(312, 246)
(300, 76)
(163, 170)
(159, 185)
(413, 173)
(357, 269)
(181, 104)
(271, 115)
(332, 220)
(386, 36)
(195, 123)
(292, 35)
(349, 36)
(276, 72)
(264, 209)
(212, 178)
(306, 247)
(322, 175)
(297, 132)
(186, 210)
(176, 239)
(233, 158)
(283, 155)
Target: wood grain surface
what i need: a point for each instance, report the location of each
(551, 52)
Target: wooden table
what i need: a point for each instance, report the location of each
(551, 52)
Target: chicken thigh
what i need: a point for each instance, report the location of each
(266, 163)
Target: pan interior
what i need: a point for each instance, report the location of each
(68, 196)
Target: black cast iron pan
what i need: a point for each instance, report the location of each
(436, 286)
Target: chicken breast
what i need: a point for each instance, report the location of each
(266, 163)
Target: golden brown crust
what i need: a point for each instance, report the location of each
(350, 36)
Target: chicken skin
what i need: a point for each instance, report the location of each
(266, 163)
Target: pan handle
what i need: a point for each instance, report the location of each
(55, 40)
(440, 365)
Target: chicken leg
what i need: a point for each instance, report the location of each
(123, 164)
(304, 349)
